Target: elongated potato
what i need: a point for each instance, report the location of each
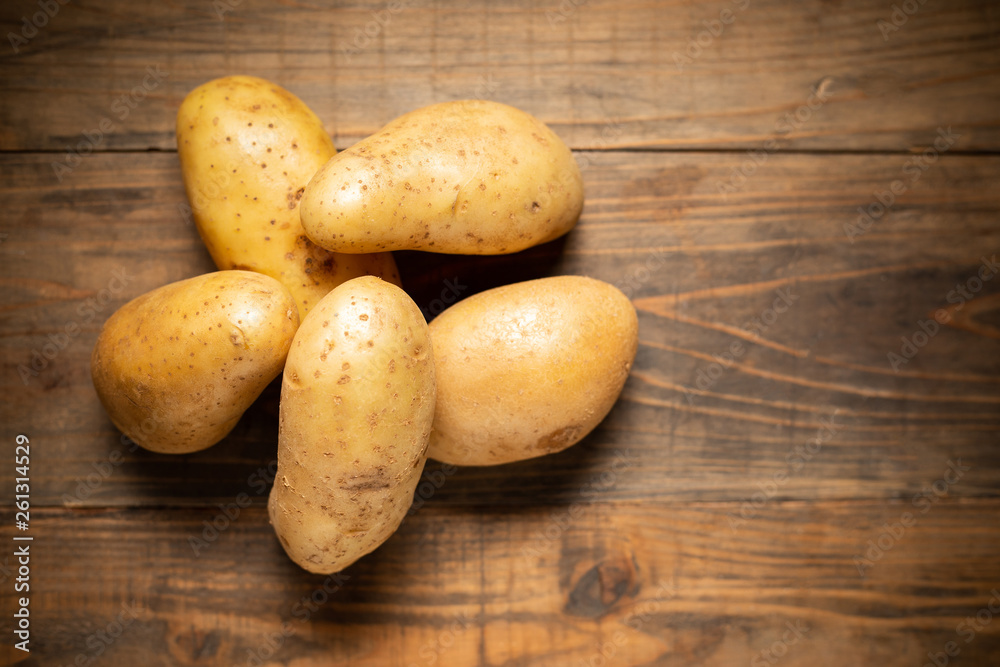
(470, 177)
(176, 367)
(528, 369)
(357, 401)
(247, 149)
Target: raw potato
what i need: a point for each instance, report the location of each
(528, 369)
(469, 177)
(176, 368)
(357, 402)
(247, 149)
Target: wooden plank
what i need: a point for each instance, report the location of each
(699, 264)
(650, 583)
(604, 74)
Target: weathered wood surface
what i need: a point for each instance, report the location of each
(644, 583)
(724, 496)
(603, 73)
(699, 264)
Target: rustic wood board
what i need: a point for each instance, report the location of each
(720, 500)
(699, 265)
(603, 73)
(647, 583)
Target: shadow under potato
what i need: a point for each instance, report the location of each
(205, 478)
(435, 281)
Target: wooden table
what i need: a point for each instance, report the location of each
(785, 492)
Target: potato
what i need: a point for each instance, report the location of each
(357, 402)
(470, 177)
(247, 149)
(176, 368)
(528, 369)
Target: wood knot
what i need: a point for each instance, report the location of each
(601, 587)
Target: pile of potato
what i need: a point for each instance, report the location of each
(302, 237)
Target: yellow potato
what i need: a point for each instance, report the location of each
(176, 368)
(469, 177)
(528, 369)
(357, 401)
(247, 149)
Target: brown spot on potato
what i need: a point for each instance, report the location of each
(559, 439)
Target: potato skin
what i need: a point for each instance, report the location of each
(528, 369)
(357, 402)
(247, 149)
(470, 177)
(176, 367)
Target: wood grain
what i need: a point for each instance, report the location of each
(604, 74)
(753, 482)
(699, 264)
(649, 583)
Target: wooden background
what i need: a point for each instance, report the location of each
(673, 559)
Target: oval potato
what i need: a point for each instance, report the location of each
(176, 367)
(247, 149)
(528, 369)
(471, 177)
(357, 402)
